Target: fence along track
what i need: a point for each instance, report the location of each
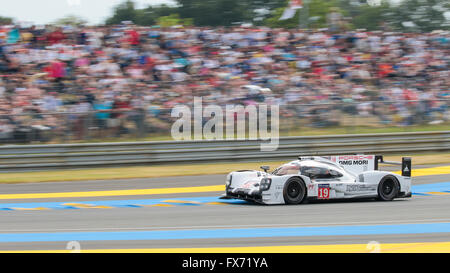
(66, 156)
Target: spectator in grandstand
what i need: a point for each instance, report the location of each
(130, 75)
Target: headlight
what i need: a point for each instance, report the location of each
(265, 184)
(228, 182)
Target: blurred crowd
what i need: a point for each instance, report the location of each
(67, 81)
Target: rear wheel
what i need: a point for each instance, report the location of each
(294, 191)
(388, 188)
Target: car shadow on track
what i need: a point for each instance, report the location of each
(317, 202)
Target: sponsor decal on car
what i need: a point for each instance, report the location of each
(247, 185)
(352, 159)
(355, 188)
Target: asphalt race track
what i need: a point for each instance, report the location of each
(169, 215)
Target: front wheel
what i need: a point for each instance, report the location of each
(294, 191)
(388, 188)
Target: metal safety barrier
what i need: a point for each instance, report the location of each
(70, 156)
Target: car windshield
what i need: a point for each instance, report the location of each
(285, 169)
(314, 170)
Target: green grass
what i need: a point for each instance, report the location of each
(366, 130)
(305, 131)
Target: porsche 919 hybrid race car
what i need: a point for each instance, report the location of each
(316, 177)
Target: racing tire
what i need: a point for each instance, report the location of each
(388, 188)
(294, 191)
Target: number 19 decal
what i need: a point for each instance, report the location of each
(324, 192)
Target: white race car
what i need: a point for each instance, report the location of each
(327, 177)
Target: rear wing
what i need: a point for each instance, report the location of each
(362, 163)
(406, 164)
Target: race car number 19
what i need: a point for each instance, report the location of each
(324, 192)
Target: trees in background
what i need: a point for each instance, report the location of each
(420, 15)
(409, 15)
(315, 15)
(202, 12)
(71, 20)
(405, 15)
(127, 11)
(5, 20)
(214, 12)
(174, 20)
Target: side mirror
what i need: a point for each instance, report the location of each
(265, 168)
